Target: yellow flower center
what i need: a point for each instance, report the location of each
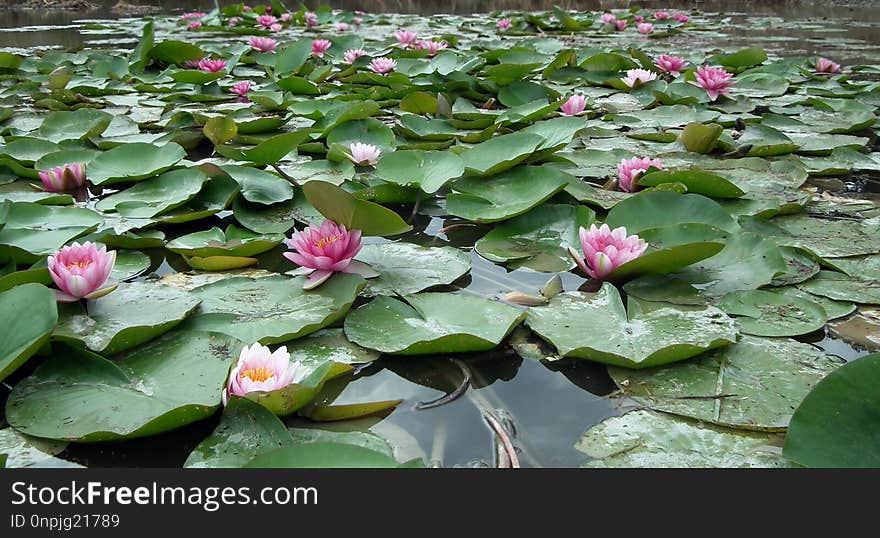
(329, 240)
(80, 265)
(257, 374)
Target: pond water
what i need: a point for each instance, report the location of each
(551, 404)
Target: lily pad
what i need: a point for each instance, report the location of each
(157, 195)
(500, 153)
(133, 162)
(429, 170)
(764, 313)
(28, 315)
(405, 268)
(355, 214)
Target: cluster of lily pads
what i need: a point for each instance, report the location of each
(670, 185)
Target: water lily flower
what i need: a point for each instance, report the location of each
(192, 15)
(246, 7)
(605, 250)
(503, 24)
(267, 10)
(324, 250)
(351, 55)
(681, 17)
(639, 18)
(824, 65)
(342, 27)
(645, 28)
(259, 369)
(608, 18)
(433, 47)
(406, 38)
(319, 47)
(670, 64)
(629, 170)
(661, 15)
(266, 21)
(311, 19)
(620, 25)
(275, 27)
(637, 77)
(357, 21)
(715, 80)
(263, 44)
(241, 88)
(233, 21)
(68, 177)
(193, 25)
(81, 271)
(574, 105)
(212, 66)
(285, 17)
(192, 64)
(363, 154)
(383, 66)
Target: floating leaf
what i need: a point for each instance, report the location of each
(405, 268)
(343, 208)
(28, 315)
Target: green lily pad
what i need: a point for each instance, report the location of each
(754, 384)
(500, 153)
(355, 214)
(830, 238)
(764, 313)
(163, 385)
(129, 264)
(429, 170)
(841, 287)
(258, 186)
(696, 180)
(26, 451)
(157, 195)
(133, 162)
(28, 315)
(234, 241)
(627, 337)
(656, 209)
(323, 456)
(273, 309)
(32, 231)
(431, 323)
(74, 125)
(405, 268)
(134, 313)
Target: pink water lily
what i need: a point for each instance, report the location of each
(324, 250)
(319, 47)
(192, 25)
(233, 21)
(193, 15)
(824, 65)
(574, 105)
(383, 66)
(285, 17)
(363, 154)
(275, 27)
(192, 64)
(406, 38)
(629, 170)
(212, 66)
(342, 27)
(645, 28)
(620, 25)
(638, 18)
(681, 17)
(241, 88)
(81, 271)
(636, 77)
(433, 47)
(357, 21)
(266, 21)
(351, 55)
(661, 15)
(605, 250)
(503, 24)
(608, 18)
(64, 178)
(670, 64)
(715, 80)
(246, 7)
(259, 369)
(263, 44)
(311, 19)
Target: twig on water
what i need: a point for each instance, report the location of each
(283, 174)
(455, 394)
(509, 460)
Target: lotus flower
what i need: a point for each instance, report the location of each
(605, 250)
(620, 25)
(608, 18)
(68, 177)
(319, 47)
(681, 17)
(824, 65)
(263, 44)
(193, 15)
(574, 105)
(260, 370)
(233, 21)
(351, 55)
(212, 66)
(266, 21)
(503, 24)
(637, 77)
(629, 170)
(433, 47)
(645, 27)
(311, 19)
(192, 25)
(363, 154)
(661, 15)
(342, 27)
(81, 271)
(715, 80)
(383, 66)
(324, 250)
(406, 38)
(285, 17)
(670, 64)
(240, 88)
